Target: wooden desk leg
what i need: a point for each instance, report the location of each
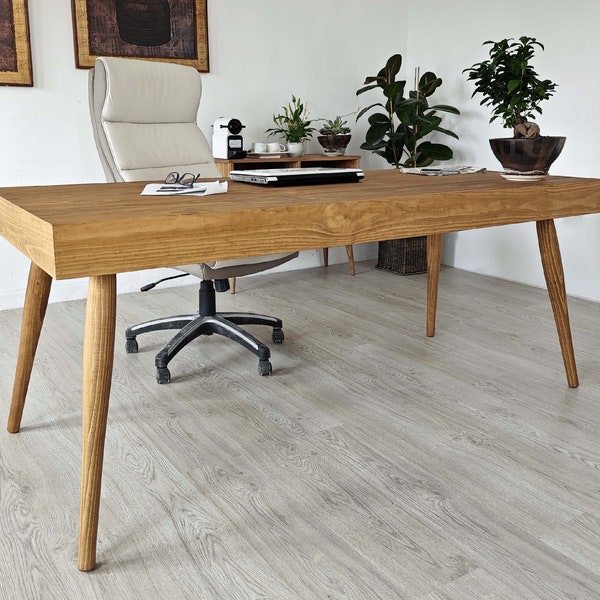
(350, 253)
(232, 285)
(555, 282)
(36, 301)
(98, 353)
(434, 261)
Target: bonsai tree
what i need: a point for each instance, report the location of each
(395, 133)
(509, 84)
(293, 124)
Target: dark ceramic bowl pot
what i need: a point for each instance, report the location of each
(334, 145)
(527, 155)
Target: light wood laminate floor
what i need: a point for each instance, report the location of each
(375, 463)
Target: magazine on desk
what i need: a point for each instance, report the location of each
(445, 170)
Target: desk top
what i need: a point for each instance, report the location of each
(95, 229)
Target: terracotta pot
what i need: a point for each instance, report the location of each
(533, 155)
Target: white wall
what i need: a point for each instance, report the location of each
(263, 51)
(450, 40)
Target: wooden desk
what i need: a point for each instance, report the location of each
(346, 161)
(98, 230)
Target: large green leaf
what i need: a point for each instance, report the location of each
(429, 83)
(393, 65)
(447, 132)
(435, 151)
(368, 108)
(445, 108)
(391, 90)
(366, 89)
(376, 133)
(379, 118)
(373, 147)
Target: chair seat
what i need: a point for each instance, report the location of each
(236, 267)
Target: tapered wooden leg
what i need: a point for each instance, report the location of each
(555, 282)
(350, 253)
(434, 261)
(98, 353)
(232, 285)
(34, 310)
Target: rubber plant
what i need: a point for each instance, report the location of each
(396, 132)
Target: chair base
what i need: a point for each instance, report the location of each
(194, 325)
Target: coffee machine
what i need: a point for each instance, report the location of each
(227, 141)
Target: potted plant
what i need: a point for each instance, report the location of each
(396, 133)
(294, 126)
(335, 136)
(512, 88)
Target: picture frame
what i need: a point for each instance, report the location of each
(15, 44)
(164, 30)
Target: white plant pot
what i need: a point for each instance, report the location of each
(296, 148)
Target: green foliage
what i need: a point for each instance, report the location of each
(335, 126)
(293, 124)
(396, 133)
(508, 83)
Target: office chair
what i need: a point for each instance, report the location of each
(144, 122)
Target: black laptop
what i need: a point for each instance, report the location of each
(306, 176)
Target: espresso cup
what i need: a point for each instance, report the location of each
(259, 147)
(276, 147)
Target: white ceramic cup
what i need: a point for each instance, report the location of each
(276, 147)
(259, 147)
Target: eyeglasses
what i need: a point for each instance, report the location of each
(187, 179)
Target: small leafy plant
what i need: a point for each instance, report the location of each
(293, 124)
(510, 85)
(396, 132)
(335, 126)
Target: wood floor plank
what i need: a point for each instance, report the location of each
(375, 463)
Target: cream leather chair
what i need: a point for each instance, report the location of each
(144, 121)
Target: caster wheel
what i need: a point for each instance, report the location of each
(131, 346)
(264, 367)
(163, 375)
(277, 336)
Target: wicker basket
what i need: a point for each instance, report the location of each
(407, 256)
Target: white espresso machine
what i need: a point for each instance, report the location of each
(227, 141)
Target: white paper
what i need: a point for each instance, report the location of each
(204, 188)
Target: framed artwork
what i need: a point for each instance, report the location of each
(167, 30)
(15, 47)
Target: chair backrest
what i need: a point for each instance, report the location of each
(144, 119)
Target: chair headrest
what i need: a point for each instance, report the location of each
(156, 92)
